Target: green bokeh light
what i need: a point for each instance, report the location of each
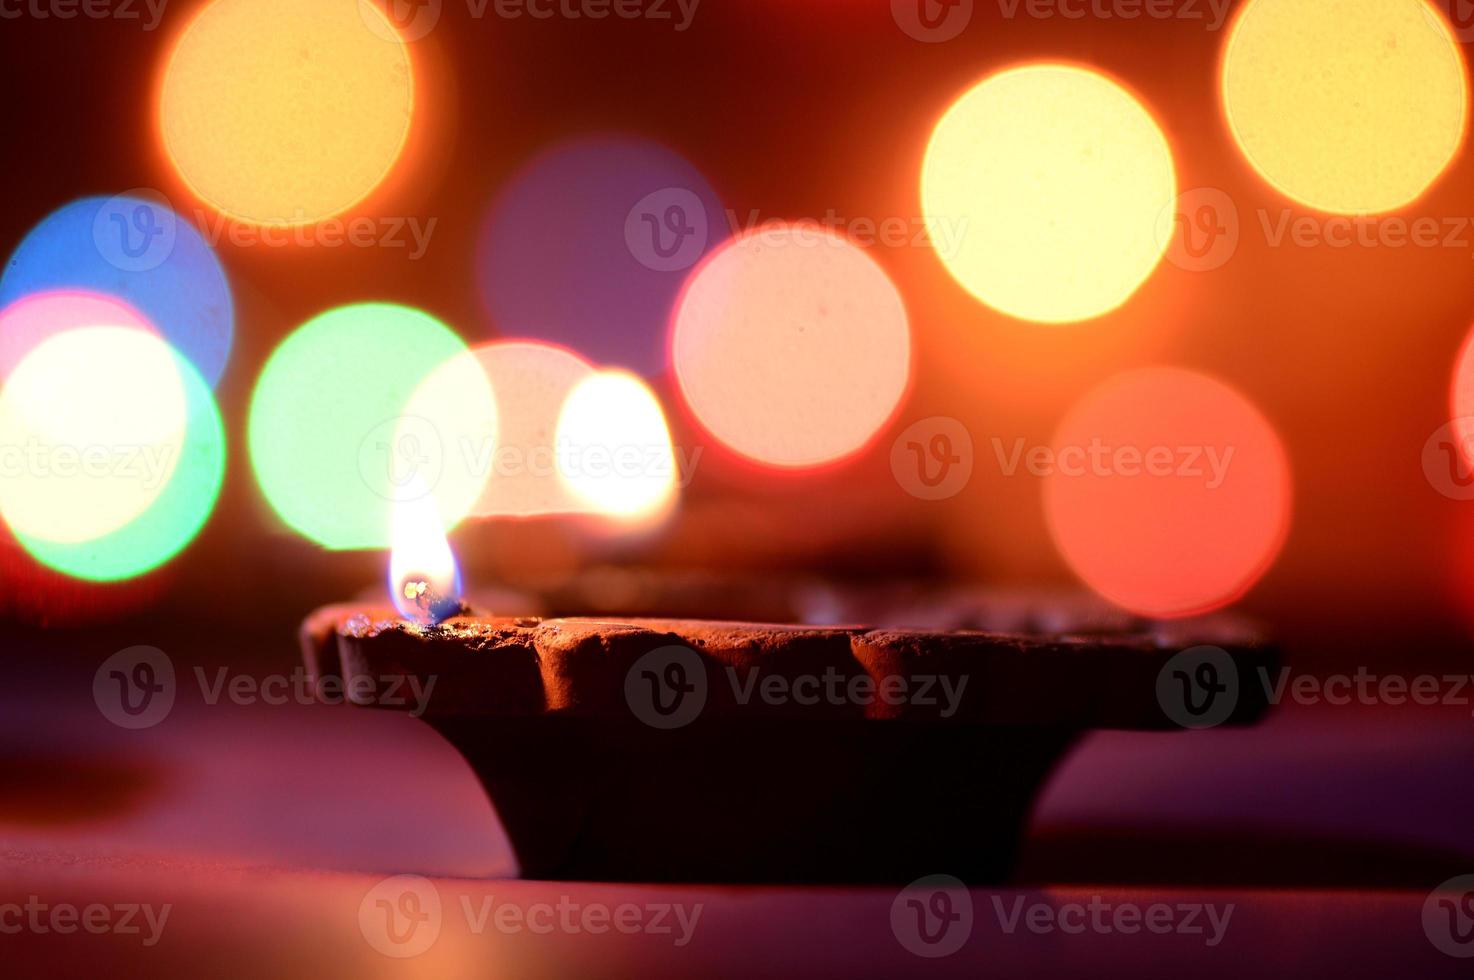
(170, 522)
(322, 433)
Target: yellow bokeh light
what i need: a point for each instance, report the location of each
(1051, 179)
(614, 449)
(286, 111)
(92, 421)
(1352, 107)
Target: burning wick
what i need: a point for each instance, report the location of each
(420, 601)
(423, 579)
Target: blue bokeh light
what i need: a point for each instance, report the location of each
(133, 247)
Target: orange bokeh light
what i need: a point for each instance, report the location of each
(791, 346)
(283, 113)
(1461, 398)
(1167, 491)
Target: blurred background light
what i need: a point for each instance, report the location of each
(1461, 401)
(114, 452)
(34, 318)
(450, 423)
(92, 422)
(286, 111)
(588, 243)
(614, 448)
(173, 520)
(1055, 177)
(791, 346)
(1168, 493)
(135, 248)
(532, 382)
(326, 430)
(1352, 107)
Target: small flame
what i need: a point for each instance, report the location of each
(423, 578)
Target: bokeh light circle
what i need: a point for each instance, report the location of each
(175, 517)
(614, 447)
(531, 381)
(1054, 177)
(1352, 107)
(284, 111)
(451, 420)
(135, 248)
(1461, 400)
(1167, 492)
(328, 416)
(91, 424)
(791, 346)
(588, 244)
(35, 318)
(119, 447)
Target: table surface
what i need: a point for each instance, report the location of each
(265, 827)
